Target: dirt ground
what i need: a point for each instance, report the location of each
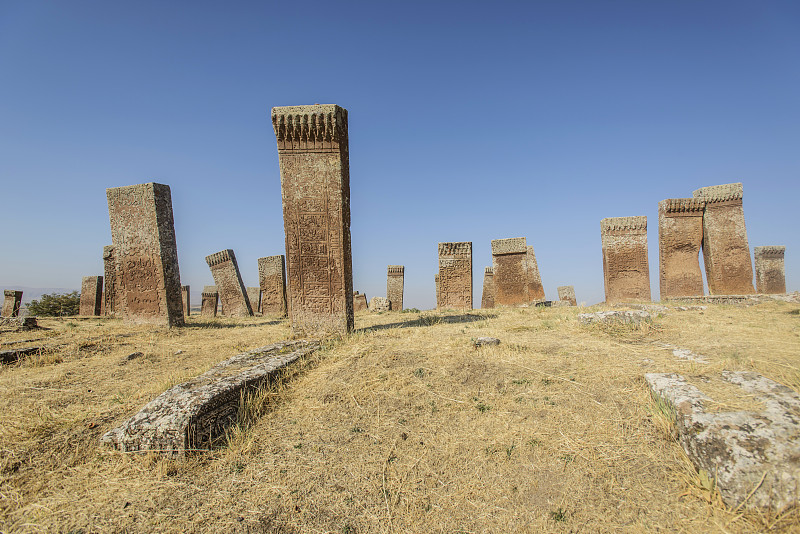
(402, 426)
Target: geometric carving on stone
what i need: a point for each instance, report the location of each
(229, 283)
(567, 294)
(770, 272)
(394, 286)
(726, 253)
(509, 263)
(535, 287)
(753, 456)
(487, 297)
(148, 283)
(187, 303)
(209, 301)
(315, 189)
(626, 273)
(194, 415)
(680, 239)
(91, 296)
(359, 301)
(12, 301)
(455, 275)
(272, 281)
(109, 280)
(254, 296)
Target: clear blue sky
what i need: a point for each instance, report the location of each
(469, 121)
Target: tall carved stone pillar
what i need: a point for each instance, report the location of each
(626, 271)
(487, 297)
(455, 275)
(313, 152)
(770, 271)
(91, 296)
(395, 277)
(680, 238)
(110, 272)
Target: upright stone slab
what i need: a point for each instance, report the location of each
(726, 253)
(680, 238)
(535, 287)
(509, 263)
(109, 280)
(229, 283)
(379, 304)
(770, 272)
(315, 187)
(567, 294)
(455, 275)
(148, 280)
(359, 301)
(91, 296)
(272, 280)
(187, 303)
(626, 272)
(12, 301)
(209, 302)
(254, 296)
(394, 286)
(487, 297)
(436, 283)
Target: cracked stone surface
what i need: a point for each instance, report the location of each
(191, 415)
(753, 456)
(616, 316)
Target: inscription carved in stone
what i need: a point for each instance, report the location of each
(626, 271)
(680, 238)
(487, 297)
(91, 296)
(272, 281)
(770, 272)
(229, 283)
(394, 286)
(147, 282)
(726, 253)
(315, 187)
(209, 301)
(12, 301)
(109, 280)
(455, 275)
(509, 263)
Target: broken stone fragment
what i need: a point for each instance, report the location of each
(485, 341)
(616, 316)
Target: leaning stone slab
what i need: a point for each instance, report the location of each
(12, 301)
(190, 416)
(616, 316)
(753, 456)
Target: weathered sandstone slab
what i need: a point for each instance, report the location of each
(379, 304)
(395, 277)
(535, 287)
(187, 301)
(359, 301)
(454, 286)
(209, 302)
(567, 294)
(616, 316)
(487, 297)
(626, 271)
(509, 263)
(680, 238)
(272, 280)
(12, 301)
(229, 283)
(91, 296)
(109, 280)
(770, 271)
(254, 296)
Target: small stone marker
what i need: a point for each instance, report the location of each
(680, 238)
(726, 253)
(12, 301)
(455, 275)
(359, 301)
(272, 280)
(187, 303)
(109, 280)
(91, 296)
(770, 271)
(191, 416)
(148, 280)
(254, 296)
(394, 286)
(753, 456)
(487, 297)
(567, 294)
(485, 342)
(616, 316)
(229, 283)
(626, 273)
(313, 151)
(209, 302)
(379, 304)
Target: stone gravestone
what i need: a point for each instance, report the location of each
(315, 188)
(535, 287)
(148, 280)
(91, 296)
(379, 304)
(359, 301)
(187, 303)
(680, 238)
(626, 272)
(436, 283)
(12, 301)
(725, 250)
(272, 280)
(209, 301)
(770, 273)
(229, 283)
(254, 296)
(110, 272)
(455, 275)
(394, 286)
(567, 294)
(487, 297)
(509, 263)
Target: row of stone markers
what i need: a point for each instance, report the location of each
(711, 221)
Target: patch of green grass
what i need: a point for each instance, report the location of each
(559, 515)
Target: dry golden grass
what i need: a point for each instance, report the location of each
(402, 426)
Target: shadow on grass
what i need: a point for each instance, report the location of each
(430, 320)
(215, 324)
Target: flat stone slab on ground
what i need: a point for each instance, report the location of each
(615, 316)
(18, 323)
(486, 341)
(190, 416)
(14, 355)
(753, 456)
